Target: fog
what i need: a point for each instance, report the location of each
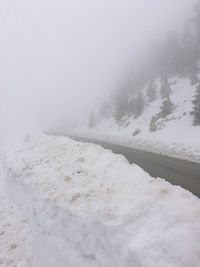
(60, 59)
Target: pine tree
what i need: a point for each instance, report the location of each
(139, 104)
(194, 79)
(166, 108)
(165, 87)
(92, 121)
(196, 108)
(121, 107)
(152, 125)
(151, 91)
(131, 105)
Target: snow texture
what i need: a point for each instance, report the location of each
(176, 136)
(88, 207)
(14, 232)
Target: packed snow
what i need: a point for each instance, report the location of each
(88, 207)
(176, 135)
(14, 232)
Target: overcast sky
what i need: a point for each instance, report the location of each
(69, 54)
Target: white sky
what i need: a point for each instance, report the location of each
(72, 53)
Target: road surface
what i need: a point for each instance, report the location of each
(177, 171)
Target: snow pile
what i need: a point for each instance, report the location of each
(88, 207)
(175, 136)
(14, 232)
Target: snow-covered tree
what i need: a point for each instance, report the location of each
(121, 107)
(196, 107)
(166, 108)
(131, 105)
(151, 91)
(194, 79)
(165, 87)
(139, 104)
(152, 124)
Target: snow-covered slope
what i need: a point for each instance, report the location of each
(175, 136)
(88, 207)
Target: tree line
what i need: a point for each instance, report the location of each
(177, 55)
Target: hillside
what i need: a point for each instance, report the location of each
(156, 106)
(173, 134)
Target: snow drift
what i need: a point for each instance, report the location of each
(88, 207)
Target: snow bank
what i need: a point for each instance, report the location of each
(14, 232)
(173, 149)
(88, 207)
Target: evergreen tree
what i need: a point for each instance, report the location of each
(92, 120)
(139, 104)
(151, 91)
(194, 79)
(165, 87)
(196, 108)
(166, 108)
(177, 55)
(121, 106)
(131, 106)
(152, 125)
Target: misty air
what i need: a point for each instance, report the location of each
(100, 133)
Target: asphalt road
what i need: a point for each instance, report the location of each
(177, 171)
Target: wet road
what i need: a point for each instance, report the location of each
(177, 171)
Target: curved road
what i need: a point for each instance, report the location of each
(177, 171)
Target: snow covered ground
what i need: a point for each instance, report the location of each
(14, 232)
(176, 135)
(88, 207)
